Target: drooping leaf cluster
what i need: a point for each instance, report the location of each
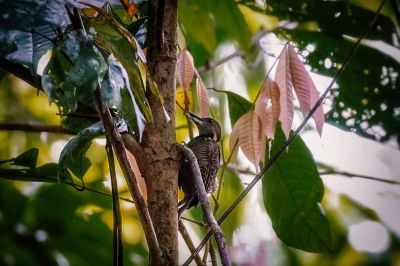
(100, 54)
(366, 100)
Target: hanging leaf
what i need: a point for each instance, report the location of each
(74, 72)
(305, 88)
(185, 68)
(131, 112)
(238, 106)
(121, 30)
(267, 106)
(292, 192)
(234, 141)
(319, 116)
(248, 129)
(284, 80)
(202, 95)
(73, 154)
(115, 39)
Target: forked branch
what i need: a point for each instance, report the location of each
(115, 138)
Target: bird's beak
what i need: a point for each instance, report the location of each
(195, 118)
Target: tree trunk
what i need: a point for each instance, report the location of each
(159, 142)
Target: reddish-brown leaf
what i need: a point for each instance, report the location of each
(185, 68)
(202, 96)
(284, 81)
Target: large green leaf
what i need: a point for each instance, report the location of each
(73, 156)
(216, 22)
(74, 71)
(292, 192)
(131, 113)
(116, 92)
(238, 106)
(122, 44)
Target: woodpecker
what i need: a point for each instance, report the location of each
(205, 148)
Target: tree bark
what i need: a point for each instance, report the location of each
(159, 143)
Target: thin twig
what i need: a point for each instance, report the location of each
(296, 132)
(351, 175)
(212, 255)
(12, 174)
(185, 235)
(255, 42)
(28, 127)
(122, 156)
(193, 221)
(118, 247)
(207, 213)
(215, 64)
(206, 251)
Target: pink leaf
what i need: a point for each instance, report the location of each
(234, 141)
(319, 117)
(267, 106)
(284, 81)
(202, 95)
(300, 79)
(248, 129)
(185, 68)
(305, 89)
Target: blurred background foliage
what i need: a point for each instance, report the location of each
(57, 224)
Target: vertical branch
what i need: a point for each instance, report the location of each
(117, 222)
(144, 216)
(208, 215)
(159, 140)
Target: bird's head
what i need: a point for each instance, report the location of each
(207, 126)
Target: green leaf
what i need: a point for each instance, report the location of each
(292, 192)
(131, 112)
(115, 39)
(74, 72)
(200, 32)
(116, 91)
(45, 173)
(73, 155)
(238, 106)
(28, 158)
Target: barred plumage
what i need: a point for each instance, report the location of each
(205, 148)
